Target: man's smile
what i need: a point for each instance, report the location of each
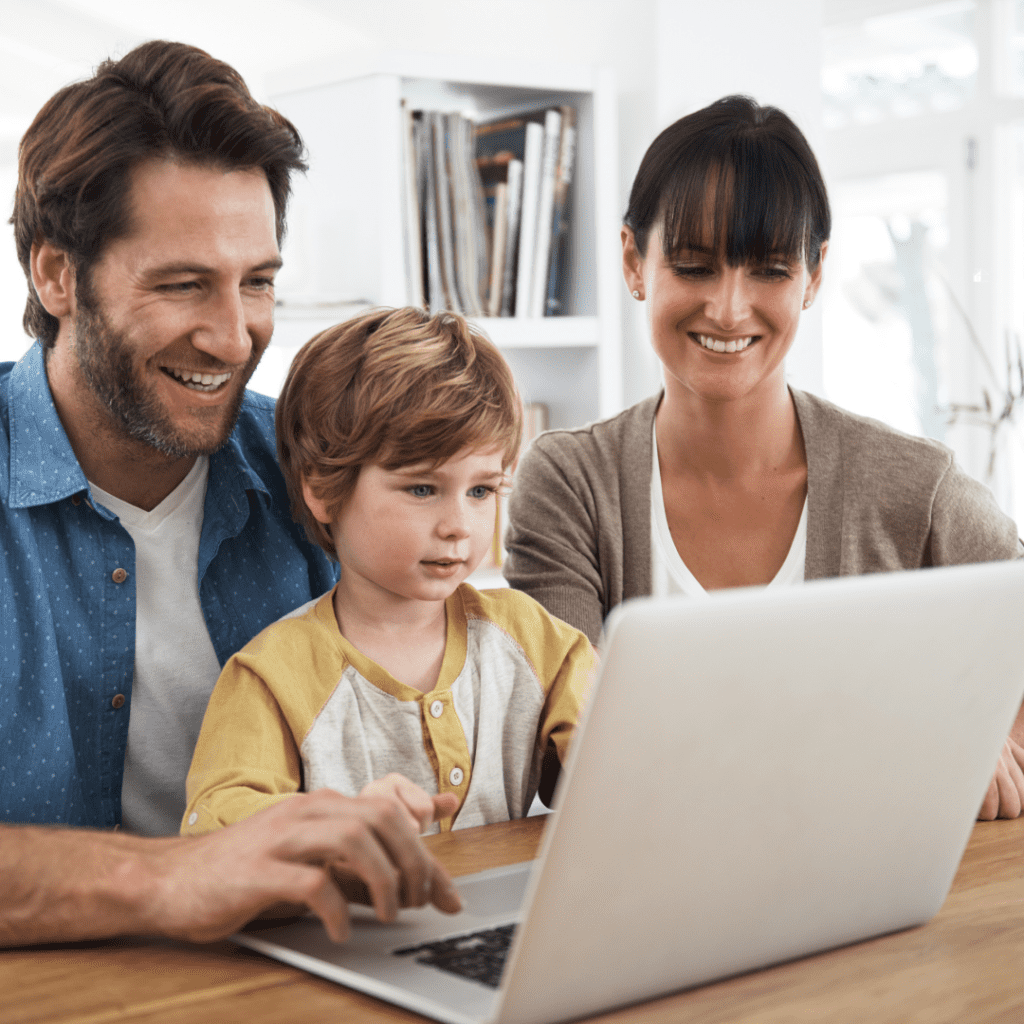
(197, 380)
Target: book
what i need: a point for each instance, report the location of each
(466, 249)
(469, 232)
(447, 248)
(541, 261)
(555, 298)
(424, 138)
(411, 212)
(533, 153)
(545, 208)
(497, 142)
(499, 231)
(515, 200)
(500, 144)
(502, 175)
(450, 298)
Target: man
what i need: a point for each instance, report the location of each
(145, 533)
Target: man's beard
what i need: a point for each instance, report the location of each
(105, 357)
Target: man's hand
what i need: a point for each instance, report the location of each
(423, 808)
(1005, 796)
(62, 885)
(288, 853)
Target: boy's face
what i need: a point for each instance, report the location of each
(417, 532)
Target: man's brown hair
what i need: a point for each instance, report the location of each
(390, 388)
(161, 100)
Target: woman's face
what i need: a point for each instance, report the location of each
(720, 332)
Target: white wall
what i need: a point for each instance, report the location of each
(770, 51)
(669, 57)
(13, 340)
(618, 34)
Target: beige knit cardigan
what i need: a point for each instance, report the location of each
(579, 534)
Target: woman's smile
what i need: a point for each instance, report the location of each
(715, 343)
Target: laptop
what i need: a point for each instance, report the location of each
(759, 776)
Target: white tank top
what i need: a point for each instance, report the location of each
(669, 574)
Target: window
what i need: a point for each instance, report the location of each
(900, 64)
(924, 288)
(886, 307)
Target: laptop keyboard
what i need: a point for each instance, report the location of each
(479, 956)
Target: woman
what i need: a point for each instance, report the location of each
(729, 477)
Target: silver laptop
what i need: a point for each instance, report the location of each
(760, 776)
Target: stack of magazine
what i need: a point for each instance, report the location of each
(487, 211)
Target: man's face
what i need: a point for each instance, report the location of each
(173, 318)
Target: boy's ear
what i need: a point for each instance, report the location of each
(315, 505)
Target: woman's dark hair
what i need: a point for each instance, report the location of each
(161, 100)
(753, 165)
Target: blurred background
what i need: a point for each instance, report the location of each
(916, 112)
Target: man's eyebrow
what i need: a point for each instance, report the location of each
(184, 267)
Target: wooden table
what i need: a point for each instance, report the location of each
(966, 966)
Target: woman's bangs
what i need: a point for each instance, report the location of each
(747, 207)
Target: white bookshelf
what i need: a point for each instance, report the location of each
(345, 246)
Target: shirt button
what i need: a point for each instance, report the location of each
(76, 499)
(437, 708)
(455, 776)
(117, 701)
(193, 818)
(119, 575)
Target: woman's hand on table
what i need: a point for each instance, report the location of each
(1005, 796)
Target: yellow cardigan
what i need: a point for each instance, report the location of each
(299, 708)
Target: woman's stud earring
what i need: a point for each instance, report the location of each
(636, 294)
(807, 303)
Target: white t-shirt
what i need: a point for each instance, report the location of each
(175, 663)
(669, 574)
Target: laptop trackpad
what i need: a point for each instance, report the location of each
(496, 892)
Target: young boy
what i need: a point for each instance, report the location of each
(396, 432)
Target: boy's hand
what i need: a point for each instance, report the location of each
(423, 808)
(419, 809)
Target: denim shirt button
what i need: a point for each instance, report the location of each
(119, 575)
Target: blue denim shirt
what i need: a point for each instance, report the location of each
(67, 615)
